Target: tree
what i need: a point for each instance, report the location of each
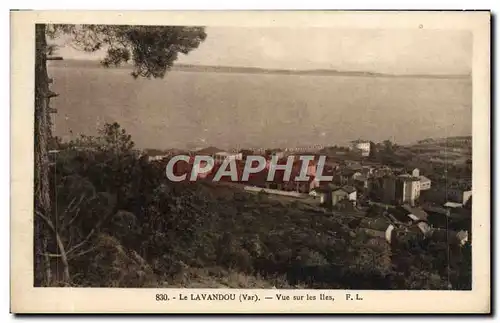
(152, 51)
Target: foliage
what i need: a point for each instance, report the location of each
(151, 49)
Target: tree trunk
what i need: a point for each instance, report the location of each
(42, 133)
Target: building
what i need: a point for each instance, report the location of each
(459, 195)
(388, 189)
(360, 181)
(451, 236)
(397, 189)
(157, 157)
(324, 193)
(409, 188)
(221, 156)
(453, 205)
(417, 217)
(344, 193)
(345, 176)
(209, 151)
(362, 146)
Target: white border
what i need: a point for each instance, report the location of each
(421, 4)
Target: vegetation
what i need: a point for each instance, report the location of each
(110, 218)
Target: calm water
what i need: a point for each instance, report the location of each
(258, 110)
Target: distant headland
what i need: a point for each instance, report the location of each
(258, 70)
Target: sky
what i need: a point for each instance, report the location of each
(396, 51)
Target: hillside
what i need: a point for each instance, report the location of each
(125, 225)
(450, 150)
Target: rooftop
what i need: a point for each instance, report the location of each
(380, 224)
(452, 205)
(361, 178)
(408, 178)
(359, 141)
(435, 210)
(349, 189)
(225, 153)
(418, 212)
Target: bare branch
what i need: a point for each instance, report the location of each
(52, 255)
(87, 238)
(75, 217)
(82, 253)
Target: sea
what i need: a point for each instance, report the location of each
(188, 109)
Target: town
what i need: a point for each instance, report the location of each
(389, 198)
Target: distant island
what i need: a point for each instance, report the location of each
(258, 70)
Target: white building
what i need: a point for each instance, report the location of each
(362, 146)
(425, 183)
(219, 155)
(344, 193)
(410, 186)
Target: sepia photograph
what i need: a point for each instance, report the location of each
(264, 157)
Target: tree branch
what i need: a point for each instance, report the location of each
(81, 253)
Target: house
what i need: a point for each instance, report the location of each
(209, 151)
(388, 188)
(157, 157)
(417, 211)
(437, 216)
(291, 184)
(346, 176)
(401, 235)
(453, 205)
(450, 236)
(367, 170)
(459, 195)
(360, 181)
(462, 237)
(418, 217)
(407, 189)
(222, 156)
(332, 164)
(354, 165)
(396, 189)
(376, 227)
(343, 193)
(379, 224)
(219, 155)
(425, 183)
